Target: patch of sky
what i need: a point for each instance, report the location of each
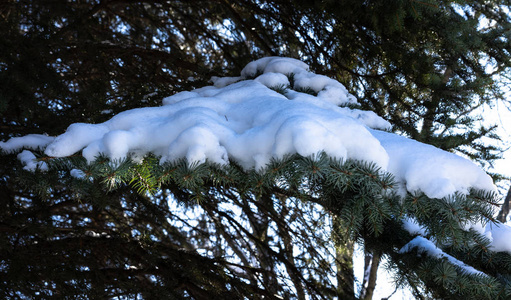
(136, 233)
(225, 29)
(119, 61)
(121, 27)
(330, 27)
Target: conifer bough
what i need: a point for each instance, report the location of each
(278, 127)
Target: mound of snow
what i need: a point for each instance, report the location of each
(31, 141)
(248, 121)
(424, 168)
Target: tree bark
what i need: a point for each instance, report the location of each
(344, 247)
(345, 276)
(368, 257)
(371, 282)
(504, 210)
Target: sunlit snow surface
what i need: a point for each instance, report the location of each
(244, 119)
(426, 246)
(31, 141)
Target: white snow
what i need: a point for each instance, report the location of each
(498, 234)
(500, 237)
(411, 225)
(245, 120)
(30, 162)
(31, 141)
(327, 88)
(273, 64)
(426, 246)
(224, 81)
(273, 79)
(435, 172)
(76, 173)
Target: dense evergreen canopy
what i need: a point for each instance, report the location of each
(422, 65)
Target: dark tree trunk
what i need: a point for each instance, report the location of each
(344, 247)
(504, 210)
(371, 281)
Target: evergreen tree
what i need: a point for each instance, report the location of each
(127, 244)
(83, 62)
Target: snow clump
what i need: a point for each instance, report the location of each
(242, 120)
(246, 119)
